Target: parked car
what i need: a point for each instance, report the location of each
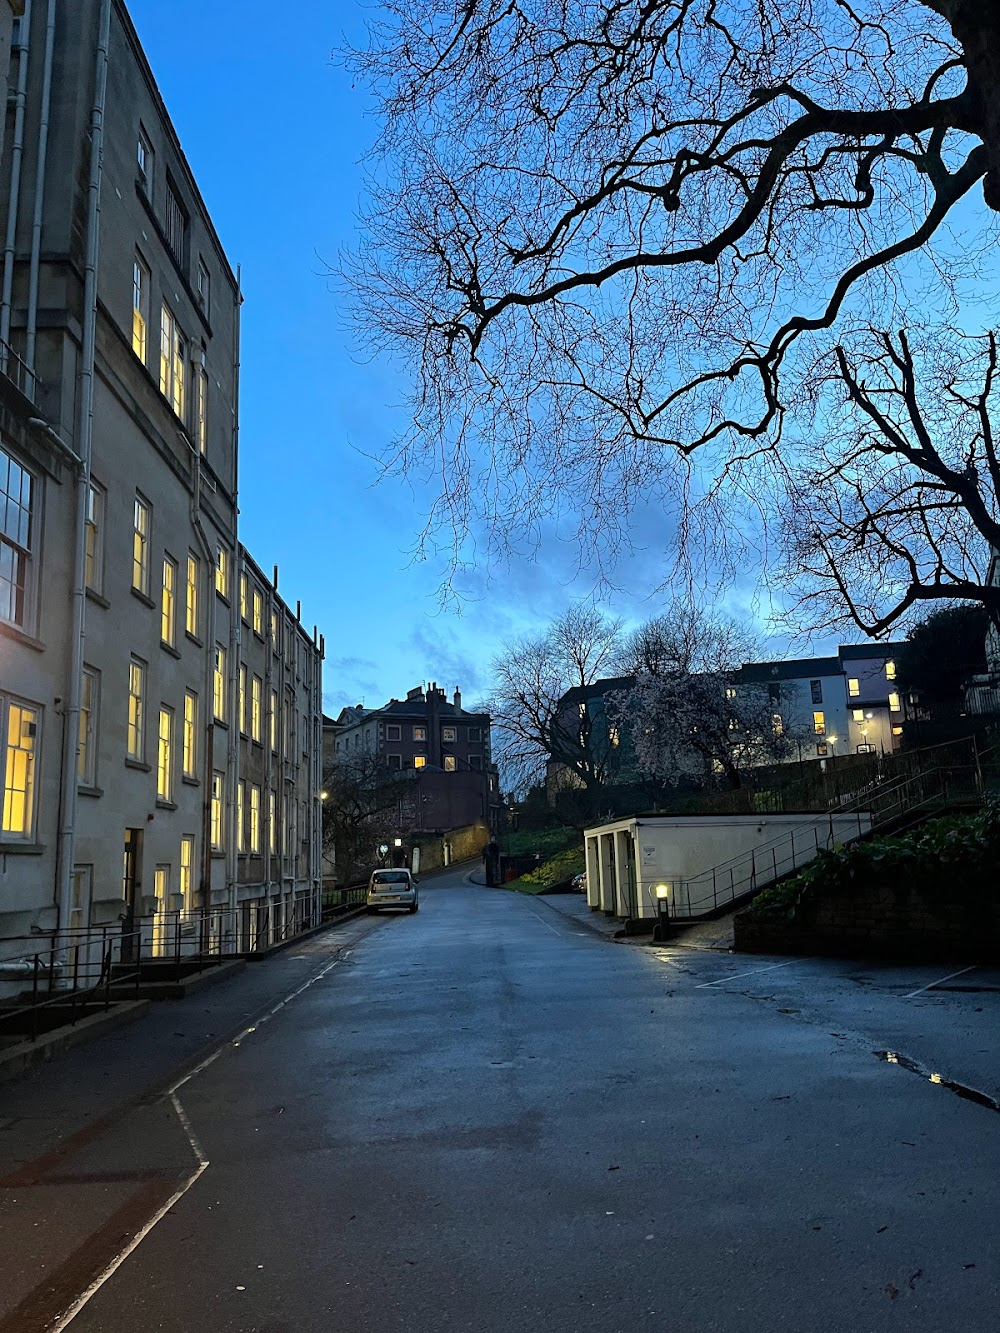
(392, 888)
(580, 882)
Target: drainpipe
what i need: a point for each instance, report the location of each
(85, 439)
(43, 152)
(236, 620)
(17, 154)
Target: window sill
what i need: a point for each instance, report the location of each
(190, 781)
(86, 790)
(19, 635)
(21, 848)
(138, 765)
(169, 649)
(218, 853)
(220, 722)
(161, 804)
(193, 638)
(222, 597)
(98, 598)
(139, 595)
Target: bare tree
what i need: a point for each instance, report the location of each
(689, 716)
(531, 721)
(611, 233)
(895, 502)
(361, 810)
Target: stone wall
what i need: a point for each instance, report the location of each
(879, 922)
(466, 844)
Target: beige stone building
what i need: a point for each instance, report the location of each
(122, 646)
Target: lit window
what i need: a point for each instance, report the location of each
(419, 733)
(136, 705)
(86, 755)
(201, 404)
(191, 596)
(219, 683)
(19, 776)
(894, 705)
(449, 734)
(730, 692)
(854, 688)
(203, 287)
(419, 761)
(272, 822)
(172, 364)
(16, 538)
(222, 570)
(255, 819)
(777, 725)
(243, 698)
(244, 597)
(450, 763)
(144, 162)
(140, 546)
(890, 670)
(190, 740)
(256, 709)
(858, 714)
(241, 805)
(185, 881)
(275, 631)
(168, 599)
(94, 567)
(165, 754)
(819, 724)
(614, 735)
(258, 612)
(140, 308)
(217, 790)
(273, 721)
(897, 731)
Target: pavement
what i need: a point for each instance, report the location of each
(487, 1118)
(717, 934)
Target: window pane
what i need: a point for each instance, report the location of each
(165, 755)
(19, 770)
(167, 633)
(190, 756)
(140, 546)
(136, 686)
(191, 598)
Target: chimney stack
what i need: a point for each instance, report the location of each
(458, 700)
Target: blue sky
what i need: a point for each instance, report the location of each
(274, 133)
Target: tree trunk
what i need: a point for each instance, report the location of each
(976, 25)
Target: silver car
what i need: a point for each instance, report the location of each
(392, 888)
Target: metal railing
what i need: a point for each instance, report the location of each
(881, 803)
(17, 371)
(65, 982)
(198, 938)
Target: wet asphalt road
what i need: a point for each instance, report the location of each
(486, 1118)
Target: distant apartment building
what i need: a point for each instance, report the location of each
(441, 746)
(122, 646)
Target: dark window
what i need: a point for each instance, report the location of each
(392, 732)
(474, 733)
(774, 694)
(816, 690)
(16, 533)
(475, 761)
(822, 749)
(175, 224)
(394, 760)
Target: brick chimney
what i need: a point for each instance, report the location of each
(458, 700)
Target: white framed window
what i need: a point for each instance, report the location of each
(450, 763)
(192, 579)
(819, 723)
(419, 733)
(94, 540)
(853, 688)
(254, 819)
(244, 728)
(474, 733)
(175, 223)
(86, 752)
(857, 715)
(272, 823)
(185, 879)
(189, 743)
(273, 721)
(173, 368)
(419, 761)
(136, 709)
(144, 162)
(20, 724)
(219, 683)
(816, 691)
(241, 810)
(222, 570)
(256, 709)
(218, 787)
(392, 731)
(258, 613)
(165, 754)
(17, 533)
(140, 307)
(449, 733)
(244, 596)
(275, 630)
(894, 705)
(141, 522)
(168, 603)
(201, 403)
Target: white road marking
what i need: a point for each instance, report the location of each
(740, 975)
(547, 924)
(941, 980)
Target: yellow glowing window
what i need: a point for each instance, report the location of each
(191, 596)
(244, 597)
(450, 763)
(173, 366)
(140, 308)
(136, 691)
(819, 723)
(19, 771)
(190, 741)
(894, 705)
(201, 405)
(272, 822)
(219, 682)
(858, 714)
(140, 546)
(256, 709)
(273, 721)
(258, 612)
(217, 781)
(897, 731)
(222, 571)
(243, 698)
(854, 688)
(777, 725)
(165, 754)
(254, 818)
(419, 733)
(241, 801)
(185, 881)
(167, 601)
(419, 761)
(614, 735)
(890, 670)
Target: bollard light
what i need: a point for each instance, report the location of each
(662, 892)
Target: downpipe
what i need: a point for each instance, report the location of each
(14, 201)
(43, 153)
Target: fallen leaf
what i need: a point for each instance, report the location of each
(891, 1291)
(880, 1230)
(968, 1265)
(914, 1276)
(614, 1168)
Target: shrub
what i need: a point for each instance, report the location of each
(557, 870)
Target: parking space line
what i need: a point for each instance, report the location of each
(941, 980)
(740, 975)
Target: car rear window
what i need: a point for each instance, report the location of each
(390, 877)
